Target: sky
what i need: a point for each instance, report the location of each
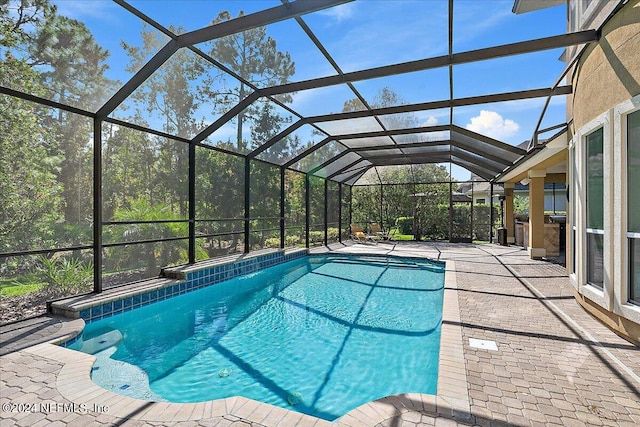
(372, 33)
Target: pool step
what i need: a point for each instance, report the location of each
(101, 342)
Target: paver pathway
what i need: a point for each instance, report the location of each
(554, 363)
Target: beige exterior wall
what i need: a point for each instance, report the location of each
(606, 86)
(608, 72)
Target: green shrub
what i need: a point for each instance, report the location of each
(316, 237)
(272, 242)
(69, 275)
(332, 234)
(405, 224)
(291, 240)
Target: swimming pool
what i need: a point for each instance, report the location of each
(319, 335)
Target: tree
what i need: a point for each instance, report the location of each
(31, 196)
(129, 165)
(295, 208)
(175, 94)
(520, 205)
(70, 66)
(253, 56)
(219, 195)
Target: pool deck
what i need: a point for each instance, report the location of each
(516, 349)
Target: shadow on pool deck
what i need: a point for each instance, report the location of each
(19, 335)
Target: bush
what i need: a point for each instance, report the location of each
(434, 221)
(405, 224)
(316, 237)
(272, 242)
(291, 241)
(69, 275)
(332, 234)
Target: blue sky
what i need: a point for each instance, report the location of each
(372, 33)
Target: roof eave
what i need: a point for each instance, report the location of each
(524, 6)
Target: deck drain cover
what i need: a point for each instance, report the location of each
(483, 344)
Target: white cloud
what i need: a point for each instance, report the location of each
(341, 12)
(431, 121)
(492, 124)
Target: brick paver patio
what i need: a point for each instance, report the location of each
(554, 363)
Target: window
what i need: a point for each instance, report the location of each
(633, 206)
(480, 201)
(595, 208)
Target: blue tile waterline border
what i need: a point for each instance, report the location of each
(195, 278)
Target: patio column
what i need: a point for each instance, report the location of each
(508, 212)
(536, 214)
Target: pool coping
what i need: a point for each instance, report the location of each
(174, 281)
(451, 400)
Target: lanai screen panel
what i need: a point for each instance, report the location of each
(507, 74)
(432, 204)
(370, 177)
(371, 30)
(479, 160)
(508, 28)
(346, 212)
(143, 175)
(349, 126)
(501, 121)
(322, 100)
(338, 164)
(368, 141)
(84, 64)
(190, 15)
(180, 98)
(145, 203)
(295, 213)
(430, 117)
(319, 156)
(428, 150)
(354, 178)
(393, 90)
(477, 144)
(264, 202)
(350, 171)
(420, 137)
(316, 211)
(387, 152)
(46, 159)
(289, 146)
(252, 127)
(482, 205)
(366, 205)
(272, 55)
(333, 214)
(219, 203)
(401, 174)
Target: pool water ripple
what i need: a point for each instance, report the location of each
(320, 335)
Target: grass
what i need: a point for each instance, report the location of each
(16, 287)
(402, 237)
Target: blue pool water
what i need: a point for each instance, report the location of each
(318, 335)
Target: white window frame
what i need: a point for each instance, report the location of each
(601, 296)
(573, 215)
(622, 305)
